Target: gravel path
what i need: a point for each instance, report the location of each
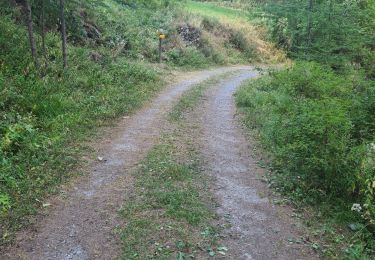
(259, 229)
(82, 225)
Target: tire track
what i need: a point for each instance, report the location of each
(83, 225)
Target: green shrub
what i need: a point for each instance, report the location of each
(188, 57)
(304, 117)
(211, 24)
(319, 130)
(239, 41)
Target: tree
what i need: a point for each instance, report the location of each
(335, 32)
(43, 30)
(29, 22)
(63, 34)
(309, 25)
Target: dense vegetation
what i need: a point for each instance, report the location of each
(317, 118)
(42, 117)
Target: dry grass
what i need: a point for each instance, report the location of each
(228, 21)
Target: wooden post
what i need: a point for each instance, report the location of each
(161, 38)
(160, 50)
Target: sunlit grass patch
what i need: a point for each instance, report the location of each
(213, 10)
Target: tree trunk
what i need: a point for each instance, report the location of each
(43, 32)
(63, 34)
(309, 25)
(30, 29)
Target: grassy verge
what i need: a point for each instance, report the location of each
(322, 157)
(42, 150)
(168, 216)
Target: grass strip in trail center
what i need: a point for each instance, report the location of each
(171, 213)
(191, 98)
(167, 217)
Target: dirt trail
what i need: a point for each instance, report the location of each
(82, 225)
(259, 229)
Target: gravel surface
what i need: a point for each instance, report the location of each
(258, 228)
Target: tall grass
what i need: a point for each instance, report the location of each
(42, 119)
(319, 129)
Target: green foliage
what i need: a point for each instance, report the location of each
(339, 33)
(240, 42)
(307, 119)
(42, 118)
(167, 215)
(301, 111)
(189, 57)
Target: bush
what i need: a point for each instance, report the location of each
(43, 118)
(319, 130)
(188, 57)
(241, 43)
(304, 118)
